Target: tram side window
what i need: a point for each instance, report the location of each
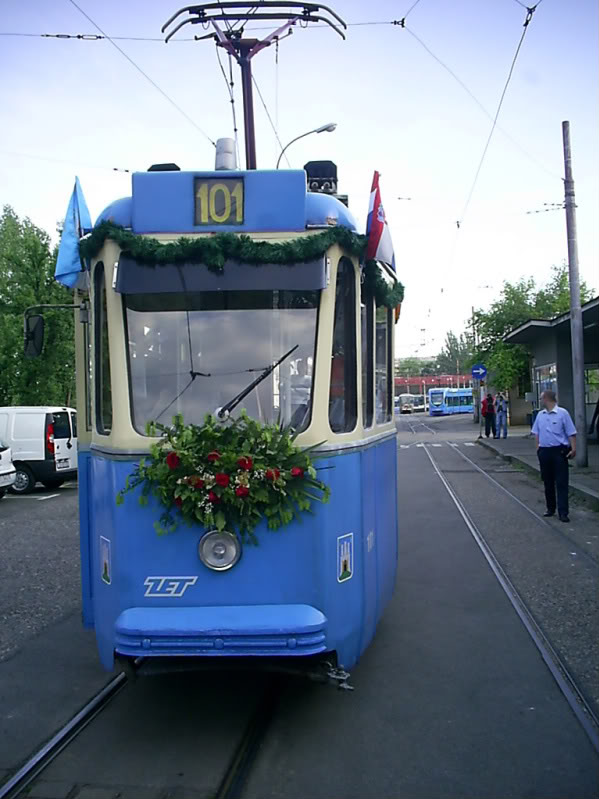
(367, 321)
(343, 405)
(103, 385)
(384, 388)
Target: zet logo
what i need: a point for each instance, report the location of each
(168, 586)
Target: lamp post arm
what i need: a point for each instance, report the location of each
(297, 138)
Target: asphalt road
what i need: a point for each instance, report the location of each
(452, 699)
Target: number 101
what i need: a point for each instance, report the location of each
(218, 202)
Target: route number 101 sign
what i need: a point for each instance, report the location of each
(218, 201)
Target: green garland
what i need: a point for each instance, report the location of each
(213, 252)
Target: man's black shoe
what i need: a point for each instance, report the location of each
(549, 513)
(564, 518)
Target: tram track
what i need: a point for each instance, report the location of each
(236, 773)
(49, 751)
(566, 681)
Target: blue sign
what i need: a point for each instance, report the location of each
(479, 371)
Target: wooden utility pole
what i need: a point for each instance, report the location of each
(576, 330)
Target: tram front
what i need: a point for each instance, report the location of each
(272, 328)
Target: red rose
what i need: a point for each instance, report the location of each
(213, 456)
(212, 497)
(221, 479)
(178, 501)
(196, 481)
(245, 463)
(272, 474)
(297, 472)
(172, 460)
(242, 491)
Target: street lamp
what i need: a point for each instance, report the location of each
(329, 128)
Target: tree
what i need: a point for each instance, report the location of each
(456, 355)
(27, 278)
(414, 367)
(519, 302)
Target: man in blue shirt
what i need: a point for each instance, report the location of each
(556, 443)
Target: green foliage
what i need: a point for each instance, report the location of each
(27, 278)
(384, 294)
(519, 302)
(227, 475)
(456, 356)
(214, 251)
(415, 367)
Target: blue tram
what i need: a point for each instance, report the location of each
(177, 338)
(448, 401)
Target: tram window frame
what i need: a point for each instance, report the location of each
(345, 316)
(386, 411)
(367, 341)
(225, 300)
(103, 382)
(87, 381)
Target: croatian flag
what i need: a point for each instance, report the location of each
(68, 270)
(380, 246)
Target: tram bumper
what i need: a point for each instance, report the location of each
(235, 630)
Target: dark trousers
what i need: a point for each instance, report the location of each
(554, 471)
(490, 425)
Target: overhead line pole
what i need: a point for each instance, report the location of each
(576, 330)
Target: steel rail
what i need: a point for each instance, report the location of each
(60, 740)
(557, 668)
(244, 757)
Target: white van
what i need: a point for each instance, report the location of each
(7, 469)
(43, 440)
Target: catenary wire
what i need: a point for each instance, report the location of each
(145, 75)
(529, 15)
(272, 124)
(480, 105)
(229, 84)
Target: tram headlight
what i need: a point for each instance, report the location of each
(219, 551)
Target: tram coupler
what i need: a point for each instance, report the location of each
(339, 677)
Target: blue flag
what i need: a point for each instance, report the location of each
(69, 271)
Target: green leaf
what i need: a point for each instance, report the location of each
(220, 520)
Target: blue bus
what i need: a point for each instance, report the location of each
(447, 401)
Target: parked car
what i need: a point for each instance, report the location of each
(7, 469)
(43, 440)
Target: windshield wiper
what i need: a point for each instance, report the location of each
(223, 412)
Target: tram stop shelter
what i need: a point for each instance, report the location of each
(549, 344)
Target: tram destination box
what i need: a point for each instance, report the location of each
(193, 202)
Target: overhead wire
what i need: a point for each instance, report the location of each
(480, 105)
(144, 74)
(230, 88)
(529, 15)
(272, 124)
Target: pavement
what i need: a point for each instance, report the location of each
(520, 447)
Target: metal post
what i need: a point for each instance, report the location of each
(576, 331)
(248, 103)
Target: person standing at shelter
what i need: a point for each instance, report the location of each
(488, 411)
(556, 443)
(501, 413)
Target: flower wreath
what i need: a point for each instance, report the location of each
(226, 475)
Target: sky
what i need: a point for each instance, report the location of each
(71, 107)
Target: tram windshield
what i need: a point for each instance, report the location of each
(192, 353)
(437, 398)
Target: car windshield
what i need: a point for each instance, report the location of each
(192, 353)
(437, 398)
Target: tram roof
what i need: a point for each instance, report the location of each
(274, 200)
